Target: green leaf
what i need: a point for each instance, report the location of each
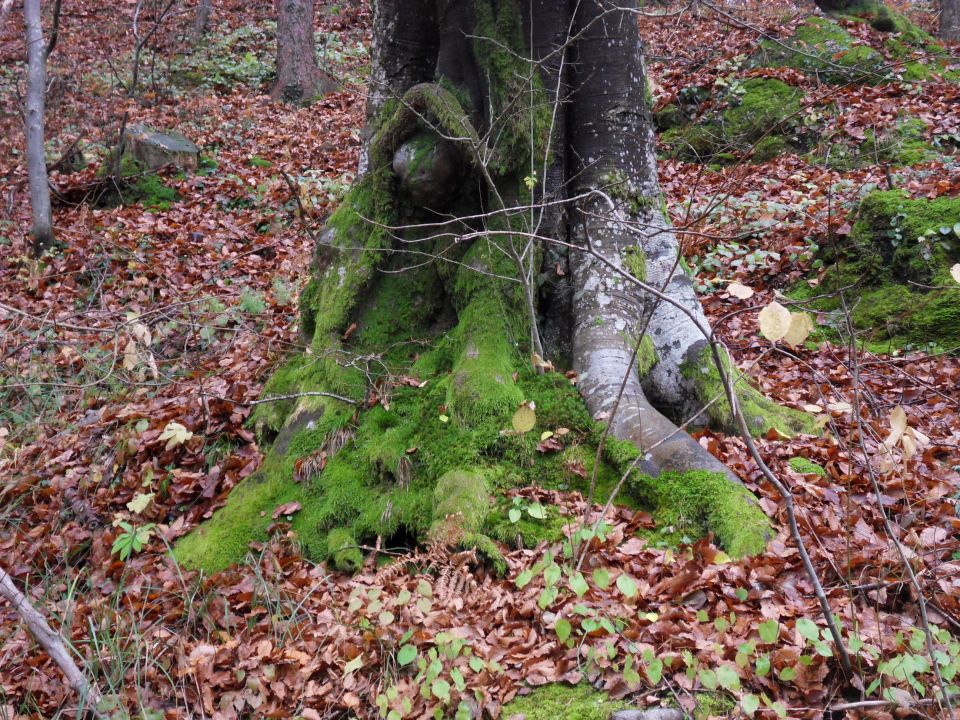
(728, 678)
(547, 597)
(515, 514)
(769, 631)
(742, 594)
(353, 665)
(476, 664)
(762, 665)
(956, 230)
(808, 629)
(552, 574)
(655, 671)
(780, 709)
(601, 578)
(787, 674)
(406, 655)
(536, 510)
(563, 629)
(524, 578)
(441, 690)
(749, 703)
(627, 585)
(578, 584)
(708, 678)
(458, 680)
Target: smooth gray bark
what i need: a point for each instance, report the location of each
(42, 231)
(612, 141)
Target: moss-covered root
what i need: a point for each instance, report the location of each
(697, 502)
(461, 501)
(343, 552)
(760, 412)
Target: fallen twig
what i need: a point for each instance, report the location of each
(51, 642)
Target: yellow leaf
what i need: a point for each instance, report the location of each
(909, 446)
(898, 423)
(140, 502)
(740, 291)
(774, 321)
(524, 419)
(546, 434)
(175, 434)
(131, 358)
(801, 324)
(955, 272)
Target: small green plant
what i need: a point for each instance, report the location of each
(521, 505)
(252, 302)
(133, 538)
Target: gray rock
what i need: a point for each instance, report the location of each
(154, 149)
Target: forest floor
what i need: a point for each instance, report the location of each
(174, 309)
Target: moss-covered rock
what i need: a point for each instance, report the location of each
(762, 111)
(894, 270)
(822, 46)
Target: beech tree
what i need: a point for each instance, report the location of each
(298, 76)
(507, 224)
(42, 231)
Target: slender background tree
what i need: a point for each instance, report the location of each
(298, 76)
(42, 232)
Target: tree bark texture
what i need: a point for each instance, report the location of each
(201, 22)
(949, 20)
(42, 232)
(507, 211)
(298, 77)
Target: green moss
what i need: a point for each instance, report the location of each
(527, 531)
(259, 162)
(694, 503)
(342, 550)
(822, 46)
(556, 700)
(635, 262)
(521, 114)
(768, 148)
(760, 412)
(765, 113)
(766, 103)
(903, 145)
(897, 249)
(805, 466)
(461, 502)
(669, 116)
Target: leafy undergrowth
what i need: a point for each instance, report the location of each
(130, 357)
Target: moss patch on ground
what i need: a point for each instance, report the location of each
(894, 270)
(571, 702)
(805, 466)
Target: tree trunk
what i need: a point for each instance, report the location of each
(298, 77)
(949, 20)
(201, 23)
(42, 232)
(507, 202)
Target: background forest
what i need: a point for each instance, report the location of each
(428, 520)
